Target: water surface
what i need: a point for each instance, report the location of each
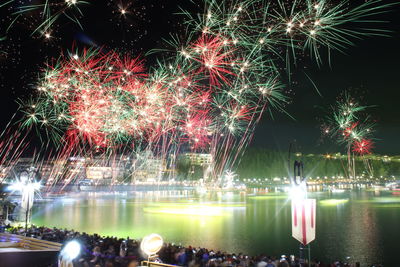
(361, 225)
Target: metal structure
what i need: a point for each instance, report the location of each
(303, 209)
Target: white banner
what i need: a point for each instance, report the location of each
(303, 220)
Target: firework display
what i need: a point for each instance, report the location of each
(209, 90)
(48, 13)
(349, 124)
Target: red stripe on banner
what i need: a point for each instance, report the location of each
(295, 215)
(312, 214)
(303, 226)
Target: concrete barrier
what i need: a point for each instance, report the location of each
(22, 251)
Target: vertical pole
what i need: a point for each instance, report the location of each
(349, 162)
(305, 257)
(302, 260)
(26, 218)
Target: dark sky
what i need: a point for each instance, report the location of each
(372, 66)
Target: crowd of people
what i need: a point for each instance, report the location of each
(100, 251)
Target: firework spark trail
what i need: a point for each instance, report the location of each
(12, 147)
(49, 12)
(349, 124)
(13, 142)
(209, 94)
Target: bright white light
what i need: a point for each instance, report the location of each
(71, 250)
(298, 192)
(71, 2)
(151, 244)
(21, 186)
(201, 190)
(36, 185)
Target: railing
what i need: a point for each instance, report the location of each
(29, 243)
(155, 264)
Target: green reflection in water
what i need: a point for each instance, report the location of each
(201, 209)
(386, 206)
(273, 197)
(333, 202)
(381, 200)
(359, 225)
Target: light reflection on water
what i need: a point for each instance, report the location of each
(360, 224)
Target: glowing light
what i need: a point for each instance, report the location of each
(71, 2)
(208, 210)
(298, 192)
(333, 202)
(71, 250)
(151, 244)
(24, 185)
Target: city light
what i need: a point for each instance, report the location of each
(207, 210)
(71, 250)
(298, 192)
(27, 187)
(333, 202)
(129, 121)
(151, 244)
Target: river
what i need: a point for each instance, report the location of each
(359, 225)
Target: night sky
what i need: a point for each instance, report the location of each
(372, 66)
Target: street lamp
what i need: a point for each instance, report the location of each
(27, 188)
(71, 250)
(151, 244)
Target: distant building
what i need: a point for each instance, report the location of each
(201, 159)
(204, 160)
(98, 172)
(149, 169)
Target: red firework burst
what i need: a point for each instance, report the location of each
(349, 130)
(363, 147)
(215, 55)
